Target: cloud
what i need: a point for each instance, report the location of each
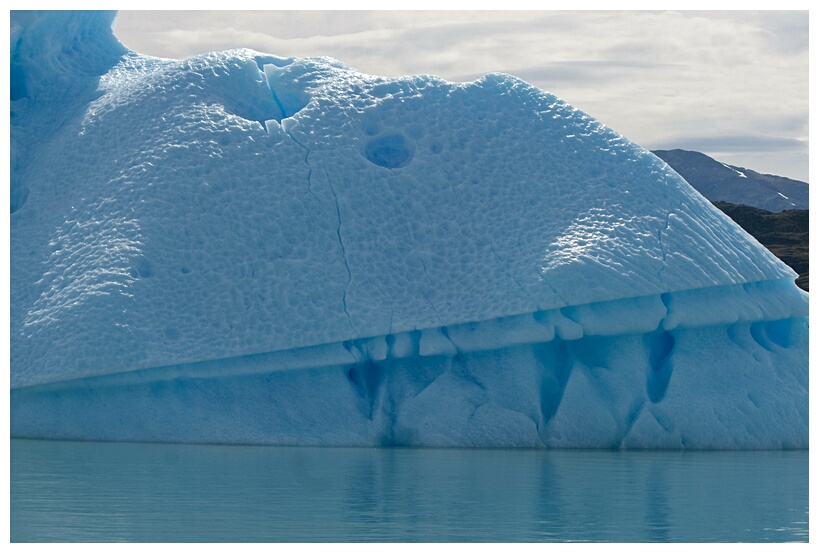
(734, 144)
(581, 72)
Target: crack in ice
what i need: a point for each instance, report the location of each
(343, 254)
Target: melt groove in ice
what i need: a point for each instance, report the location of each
(244, 248)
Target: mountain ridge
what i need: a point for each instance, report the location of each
(723, 182)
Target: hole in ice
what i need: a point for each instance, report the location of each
(779, 332)
(263, 60)
(244, 93)
(142, 268)
(390, 151)
(288, 94)
(772, 333)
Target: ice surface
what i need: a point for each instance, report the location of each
(245, 248)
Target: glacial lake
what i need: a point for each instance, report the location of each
(100, 492)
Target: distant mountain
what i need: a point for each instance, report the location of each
(720, 182)
(785, 234)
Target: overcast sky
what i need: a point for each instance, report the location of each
(731, 84)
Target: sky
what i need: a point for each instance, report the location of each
(731, 84)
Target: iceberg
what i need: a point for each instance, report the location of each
(248, 249)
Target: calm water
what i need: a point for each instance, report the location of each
(78, 491)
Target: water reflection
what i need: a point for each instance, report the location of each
(657, 512)
(76, 491)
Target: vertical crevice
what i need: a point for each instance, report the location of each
(366, 378)
(343, 253)
(306, 161)
(278, 102)
(660, 346)
(556, 362)
(338, 219)
(632, 415)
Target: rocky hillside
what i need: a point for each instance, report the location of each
(784, 233)
(720, 182)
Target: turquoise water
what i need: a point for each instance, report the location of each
(84, 491)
